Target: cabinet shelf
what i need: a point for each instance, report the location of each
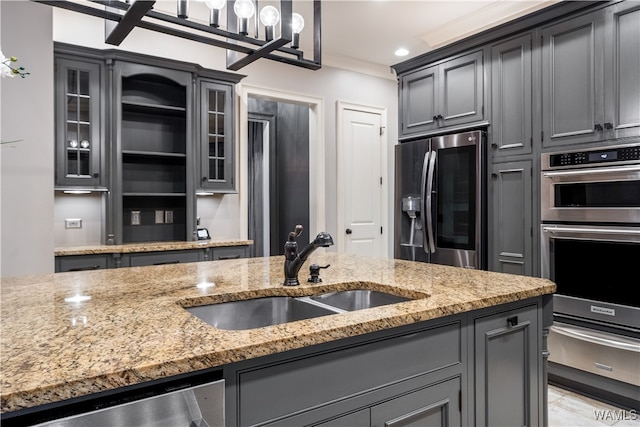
(160, 155)
(150, 194)
(147, 108)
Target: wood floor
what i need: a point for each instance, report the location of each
(568, 409)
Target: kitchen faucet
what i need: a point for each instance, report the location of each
(294, 260)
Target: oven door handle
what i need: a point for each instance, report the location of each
(589, 230)
(587, 171)
(582, 336)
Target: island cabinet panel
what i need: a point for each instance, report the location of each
(436, 405)
(507, 368)
(319, 387)
(449, 93)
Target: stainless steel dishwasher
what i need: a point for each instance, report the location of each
(199, 406)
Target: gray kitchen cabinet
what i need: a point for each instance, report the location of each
(153, 195)
(162, 258)
(590, 84)
(511, 97)
(228, 252)
(338, 379)
(361, 418)
(80, 147)
(448, 93)
(216, 137)
(507, 370)
(621, 65)
(511, 211)
(82, 262)
(436, 405)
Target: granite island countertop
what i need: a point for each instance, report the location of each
(134, 328)
(148, 247)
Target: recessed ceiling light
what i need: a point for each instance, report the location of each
(402, 52)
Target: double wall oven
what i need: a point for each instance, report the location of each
(591, 249)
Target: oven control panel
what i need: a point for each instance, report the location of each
(587, 157)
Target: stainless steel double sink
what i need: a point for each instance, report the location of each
(260, 312)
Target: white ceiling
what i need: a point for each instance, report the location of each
(366, 33)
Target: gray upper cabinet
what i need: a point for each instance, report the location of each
(590, 83)
(511, 88)
(418, 95)
(446, 94)
(216, 137)
(79, 133)
(622, 70)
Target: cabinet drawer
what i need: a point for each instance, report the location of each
(81, 263)
(318, 379)
(436, 405)
(160, 258)
(228, 252)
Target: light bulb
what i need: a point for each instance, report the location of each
(215, 4)
(244, 8)
(297, 23)
(269, 16)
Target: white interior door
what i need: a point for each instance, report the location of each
(360, 180)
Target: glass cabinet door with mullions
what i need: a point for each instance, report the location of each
(78, 132)
(216, 138)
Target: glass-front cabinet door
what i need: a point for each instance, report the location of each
(79, 144)
(217, 163)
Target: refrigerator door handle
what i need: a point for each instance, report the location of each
(423, 184)
(428, 203)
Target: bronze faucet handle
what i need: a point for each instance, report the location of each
(295, 233)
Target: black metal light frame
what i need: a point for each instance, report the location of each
(121, 18)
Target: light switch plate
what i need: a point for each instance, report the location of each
(73, 223)
(159, 217)
(168, 217)
(135, 217)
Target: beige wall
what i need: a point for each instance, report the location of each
(219, 213)
(27, 167)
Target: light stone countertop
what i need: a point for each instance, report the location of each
(134, 328)
(148, 247)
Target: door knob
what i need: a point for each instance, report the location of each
(348, 231)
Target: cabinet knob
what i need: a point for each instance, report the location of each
(512, 321)
(440, 117)
(348, 231)
(608, 126)
(598, 127)
(95, 175)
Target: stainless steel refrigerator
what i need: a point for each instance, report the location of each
(440, 200)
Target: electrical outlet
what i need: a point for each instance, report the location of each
(73, 223)
(159, 217)
(135, 217)
(168, 217)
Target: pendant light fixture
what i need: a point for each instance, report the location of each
(122, 16)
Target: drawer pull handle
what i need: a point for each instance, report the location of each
(237, 256)
(166, 262)
(512, 321)
(91, 267)
(632, 345)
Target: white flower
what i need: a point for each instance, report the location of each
(5, 69)
(8, 70)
